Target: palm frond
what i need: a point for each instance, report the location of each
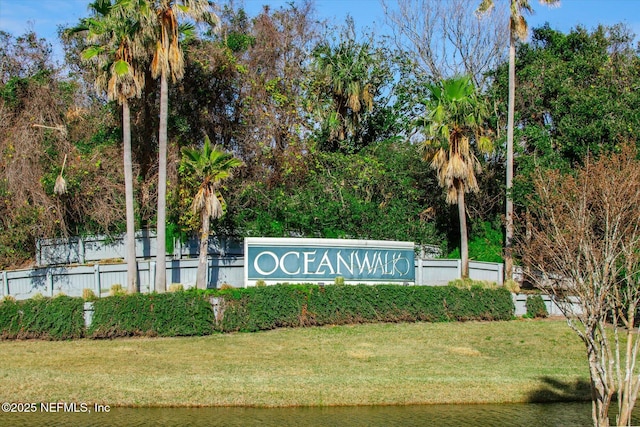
(115, 47)
(519, 26)
(452, 195)
(485, 6)
(212, 166)
(453, 129)
(60, 186)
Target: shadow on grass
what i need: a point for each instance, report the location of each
(553, 390)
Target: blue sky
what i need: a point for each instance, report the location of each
(44, 16)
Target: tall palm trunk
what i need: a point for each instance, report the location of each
(462, 216)
(132, 265)
(508, 243)
(201, 277)
(161, 269)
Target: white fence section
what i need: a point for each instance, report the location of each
(81, 250)
(72, 279)
(442, 271)
(520, 302)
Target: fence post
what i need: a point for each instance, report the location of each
(206, 274)
(152, 276)
(5, 282)
(38, 252)
(81, 250)
(177, 248)
(88, 314)
(459, 266)
(49, 282)
(96, 279)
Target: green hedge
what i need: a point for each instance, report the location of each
(169, 314)
(270, 307)
(252, 309)
(536, 307)
(58, 318)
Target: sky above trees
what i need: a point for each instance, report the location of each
(44, 16)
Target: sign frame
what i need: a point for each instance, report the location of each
(300, 260)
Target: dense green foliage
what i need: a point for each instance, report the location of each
(270, 307)
(323, 120)
(58, 318)
(170, 314)
(486, 244)
(576, 97)
(347, 78)
(343, 196)
(249, 309)
(536, 307)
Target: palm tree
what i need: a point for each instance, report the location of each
(518, 30)
(347, 80)
(211, 167)
(452, 126)
(113, 35)
(168, 59)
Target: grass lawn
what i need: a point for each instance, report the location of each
(378, 364)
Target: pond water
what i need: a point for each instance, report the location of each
(529, 415)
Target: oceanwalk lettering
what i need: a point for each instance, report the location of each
(290, 263)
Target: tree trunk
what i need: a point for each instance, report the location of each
(601, 390)
(600, 400)
(464, 247)
(161, 269)
(628, 392)
(132, 265)
(508, 242)
(201, 278)
(625, 407)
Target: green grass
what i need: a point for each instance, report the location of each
(379, 364)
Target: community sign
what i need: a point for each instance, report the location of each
(292, 260)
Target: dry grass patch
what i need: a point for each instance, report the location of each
(465, 351)
(472, 362)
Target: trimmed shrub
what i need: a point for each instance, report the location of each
(536, 307)
(262, 308)
(470, 283)
(253, 309)
(271, 307)
(58, 318)
(169, 314)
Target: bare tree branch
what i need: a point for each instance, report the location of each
(448, 38)
(585, 248)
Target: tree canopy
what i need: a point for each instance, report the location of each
(321, 119)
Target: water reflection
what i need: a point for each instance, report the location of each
(529, 415)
